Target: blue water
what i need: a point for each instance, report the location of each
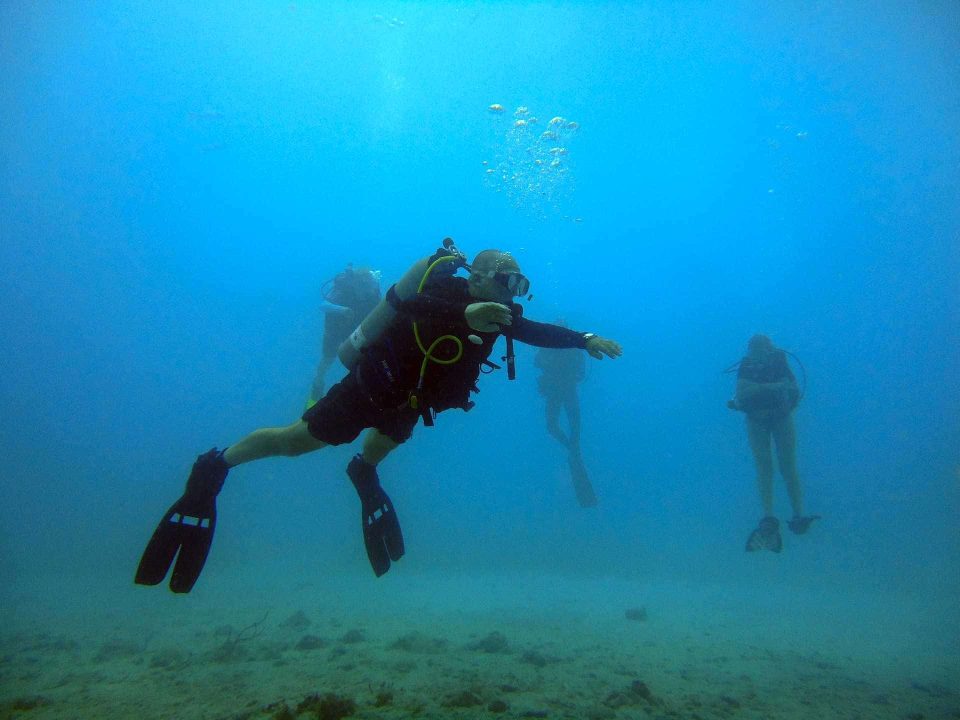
(176, 182)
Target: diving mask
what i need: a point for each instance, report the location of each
(516, 283)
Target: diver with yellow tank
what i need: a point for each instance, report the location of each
(419, 352)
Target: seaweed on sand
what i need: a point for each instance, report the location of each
(328, 707)
(234, 648)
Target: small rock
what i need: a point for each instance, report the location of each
(310, 642)
(498, 706)
(638, 614)
(493, 643)
(168, 659)
(463, 699)
(27, 703)
(298, 621)
(418, 643)
(640, 689)
(633, 695)
(352, 637)
(531, 657)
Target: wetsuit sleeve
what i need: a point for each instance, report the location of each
(544, 334)
(424, 306)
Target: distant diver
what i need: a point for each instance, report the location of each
(767, 393)
(418, 353)
(560, 373)
(347, 299)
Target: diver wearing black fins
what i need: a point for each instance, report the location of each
(419, 352)
(560, 373)
(767, 392)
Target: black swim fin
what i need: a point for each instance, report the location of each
(766, 536)
(187, 526)
(801, 523)
(382, 536)
(582, 486)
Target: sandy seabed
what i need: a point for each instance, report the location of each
(430, 646)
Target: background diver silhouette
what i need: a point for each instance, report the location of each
(767, 393)
(560, 373)
(348, 298)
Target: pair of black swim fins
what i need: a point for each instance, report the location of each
(766, 536)
(186, 530)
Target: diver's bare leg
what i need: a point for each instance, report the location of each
(572, 406)
(553, 420)
(291, 440)
(759, 435)
(785, 435)
(319, 383)
(376, 446)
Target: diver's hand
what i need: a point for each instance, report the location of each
(598, 347)
(487, 316)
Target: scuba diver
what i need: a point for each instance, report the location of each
(560, 373)
(347, 299)
(418, 353)
(767, 393)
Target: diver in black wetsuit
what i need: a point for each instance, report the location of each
(425, 359)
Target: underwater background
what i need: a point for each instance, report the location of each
(177, 181)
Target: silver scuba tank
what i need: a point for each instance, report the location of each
(377, 320)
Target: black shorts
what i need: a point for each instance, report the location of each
(346, 410)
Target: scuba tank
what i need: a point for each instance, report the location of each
(373, 325)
